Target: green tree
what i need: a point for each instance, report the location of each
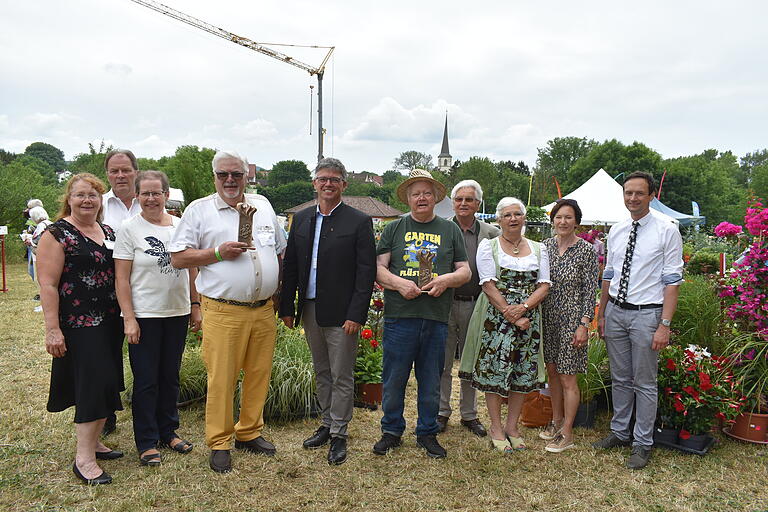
(92, 161)
(392, 176)
(749, 162)
(288, 171)
(21, 182)
(288, 195)
(6, 157)
(614, 157)
(760, 181)
(52, 155)
(409, 160)
(554, 161)
(356, 188)
(46, 172)
(190, 170)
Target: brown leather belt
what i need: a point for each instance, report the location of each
(257, 304)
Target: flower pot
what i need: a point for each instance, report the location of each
(665, 435)
(751, 427)
(694, 442)
(370, 393)
(585, 415)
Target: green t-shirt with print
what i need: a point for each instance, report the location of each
(404, 238)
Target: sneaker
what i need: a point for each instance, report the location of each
(430, 444)
(442, 423)
(559, 444)
(639, 458)
(386, 443)
(550, 432)
(610, 442)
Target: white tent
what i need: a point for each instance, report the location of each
(601, 200)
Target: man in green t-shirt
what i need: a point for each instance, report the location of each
(414, 248)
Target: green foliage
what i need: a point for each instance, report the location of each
(760, 181)
(699, 315)
(614, 157)
(535, 214)
(6, 157)
(288, 195)
(703, 262)
(46, 172)
(555, 161)
(288, 171)
(392, 176)
(190, 170)
(49, 154)
(356, 188)
(409, 160)
(22, 181)
(92, 161)
(749, 163)
(748, 356)
(292, 385)
(592, 383)
(700, 241)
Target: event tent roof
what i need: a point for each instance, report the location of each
(601, 200)
(683, 218)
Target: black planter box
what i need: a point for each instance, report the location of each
(665, 443)
(585, 415)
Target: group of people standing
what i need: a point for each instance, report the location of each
(115, 265)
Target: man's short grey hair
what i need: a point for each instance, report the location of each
(468, 184)
(38, 214)
(506, 202)
(221, 155)
(333, 164)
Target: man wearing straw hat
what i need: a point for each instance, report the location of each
(421, 258)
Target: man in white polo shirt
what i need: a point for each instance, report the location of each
(236, 282)
(120, 202)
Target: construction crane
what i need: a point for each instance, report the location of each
(244, 41)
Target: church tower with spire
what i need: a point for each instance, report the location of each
(444, 159)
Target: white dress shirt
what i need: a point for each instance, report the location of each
(115, 211)
(656, 262)
(486, 268)
(252, 276)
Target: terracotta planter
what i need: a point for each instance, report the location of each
(370, 393)
(694, 442)
(751, 427)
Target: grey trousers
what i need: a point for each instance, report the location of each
(461, 311)
(333, 357)
(634, 367)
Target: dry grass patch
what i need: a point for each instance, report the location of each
(37, 448)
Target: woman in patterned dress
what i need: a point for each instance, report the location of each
(83, 331)
(514, 275)
(567, 310)
(158, 302)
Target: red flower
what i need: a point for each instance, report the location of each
(671, 365)
(720, 416)
(691, 391)
(679, 407)
(374, 344)
(705, 382)
(684, 434)
(667, 391)
(366, 334)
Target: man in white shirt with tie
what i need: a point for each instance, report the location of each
(643, 271)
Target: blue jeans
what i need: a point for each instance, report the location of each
(410, 342)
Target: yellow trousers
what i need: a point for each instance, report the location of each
(236, 338)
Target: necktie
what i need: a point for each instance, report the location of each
(624, 281)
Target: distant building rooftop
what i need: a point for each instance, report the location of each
(368, 205)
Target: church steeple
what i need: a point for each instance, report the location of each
(444, 159)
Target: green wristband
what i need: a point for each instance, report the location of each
(218, 254)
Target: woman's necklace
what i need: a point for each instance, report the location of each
(515, 246)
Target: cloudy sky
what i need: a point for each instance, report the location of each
(679, 76)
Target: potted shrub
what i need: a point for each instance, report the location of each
(368, 367)
(695, 390)
(592, 383)
(749, 363)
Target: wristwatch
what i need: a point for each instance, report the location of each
(665, 322)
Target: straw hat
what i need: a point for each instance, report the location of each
(420, 175)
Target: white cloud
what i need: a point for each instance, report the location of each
(258, 130)
(118, 68)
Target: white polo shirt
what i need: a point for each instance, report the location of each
(656, 262)
(115, 211)
(252, 276)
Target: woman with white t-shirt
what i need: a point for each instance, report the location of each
(157, 302)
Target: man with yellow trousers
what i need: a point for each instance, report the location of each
(236, 282)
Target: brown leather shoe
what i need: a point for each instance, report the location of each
(257, 445)
(220, 461)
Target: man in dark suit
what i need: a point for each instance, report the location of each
(331, 261)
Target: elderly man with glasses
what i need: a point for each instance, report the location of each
(331, 262)
(239, 274)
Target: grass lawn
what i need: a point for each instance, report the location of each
(37, 449)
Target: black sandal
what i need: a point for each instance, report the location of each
(151, 459)
(182, 446)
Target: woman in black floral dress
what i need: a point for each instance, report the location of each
(567, 311)
(83, 331)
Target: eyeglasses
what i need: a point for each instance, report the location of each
(151, 194)
(326, 179)
(82, 197)
(464, 199)
(425, 195)
(223, 176)
(510, 215)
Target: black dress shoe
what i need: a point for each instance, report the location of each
(475, 427)
(110, 455)
(337, 453)
(103, 478)
(220, 461)
(442, 423)
(318, 439)
(257, 445)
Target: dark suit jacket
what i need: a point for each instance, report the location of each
(346, 266)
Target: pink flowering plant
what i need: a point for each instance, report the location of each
(726, 229)
(747, 296)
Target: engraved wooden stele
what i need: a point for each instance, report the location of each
(425, 258)
(245, 229)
